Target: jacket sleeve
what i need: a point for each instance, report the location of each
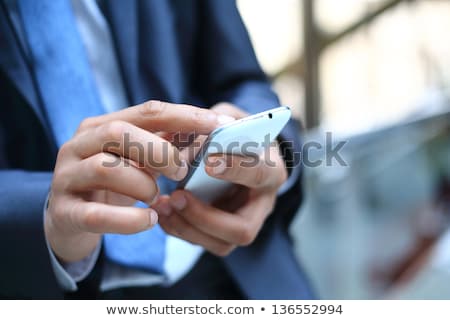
(230, 72)
(25, 269)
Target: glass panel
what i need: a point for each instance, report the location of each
(381, 74)
(333, 16)
(275, 30)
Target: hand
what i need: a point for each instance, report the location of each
(236, 218)
(97, 177)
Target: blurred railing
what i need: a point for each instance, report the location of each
(378, 227)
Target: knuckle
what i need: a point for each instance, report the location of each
(245, 235)
(59, 214)
(65, 150)
(87, 123)
(259, 176)
(61, 178)
(223, 250)
(91, 219)
(152, 108)
(55, 211)
(98, 166)
(198, 117)
(114, 130)
(60, 171)
(223, 107)
(136, 223)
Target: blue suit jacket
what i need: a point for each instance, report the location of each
(195, 52)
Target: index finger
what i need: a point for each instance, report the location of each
(156, 116)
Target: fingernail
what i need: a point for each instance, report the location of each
(178, 201)
(182, 170)
(223, 119)
(219, 166)
(153, 217)
(154, 199)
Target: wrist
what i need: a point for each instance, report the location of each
(69, 246)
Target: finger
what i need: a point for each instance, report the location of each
(117, 199)
(162, 116)
(191, 151)
(125, 140)
(251, 172)
(178, 139)
(231, 228)
(103, 218)
(177, 226)
(162, 206)
(105, 171)
(230, 110)
(233, 199)
(260, 204)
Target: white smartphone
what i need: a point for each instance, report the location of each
(246, 136)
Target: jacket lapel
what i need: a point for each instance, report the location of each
(13, 63)
(146, 45)
(122, 18)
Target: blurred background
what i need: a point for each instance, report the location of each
(376, 74)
